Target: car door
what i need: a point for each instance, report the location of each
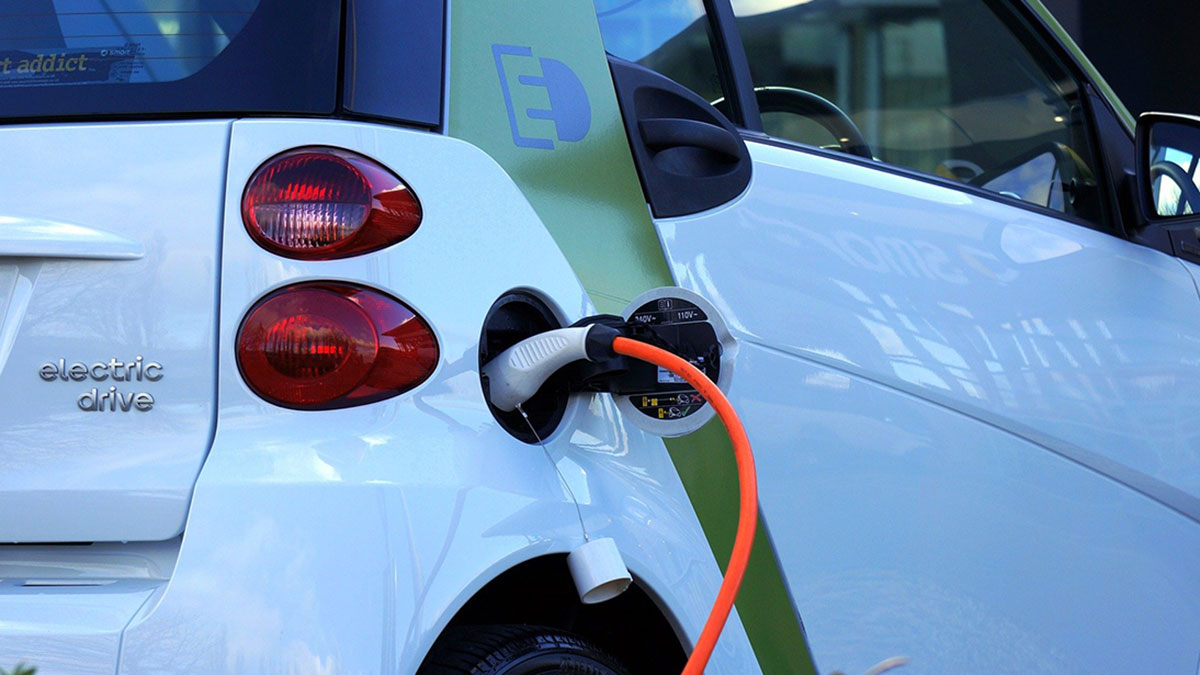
(973, 401)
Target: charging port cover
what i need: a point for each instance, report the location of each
(685, 323)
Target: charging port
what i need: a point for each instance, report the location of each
(512, 318)
(687, 325)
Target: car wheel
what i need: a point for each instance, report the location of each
(517, 650)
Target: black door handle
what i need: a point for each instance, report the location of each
(674, 132)
(689, 157)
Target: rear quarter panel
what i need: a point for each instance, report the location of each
(343, 541)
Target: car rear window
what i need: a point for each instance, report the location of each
(119, 57)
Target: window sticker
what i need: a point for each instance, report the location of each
(87, 66)
(69, 42)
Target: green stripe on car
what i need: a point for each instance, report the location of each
(581, 180)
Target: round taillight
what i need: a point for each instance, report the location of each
(320, 203)
(322, 345)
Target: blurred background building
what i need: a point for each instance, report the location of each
(1146, 49)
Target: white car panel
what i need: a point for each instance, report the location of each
(907, 528)
(68, 629)
(62, 609)
(973, 382)
(108, 253)
(344, 540)
(23, 237)
(1194, 270)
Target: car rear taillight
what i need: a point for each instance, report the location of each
(320, 203)
(322, 345)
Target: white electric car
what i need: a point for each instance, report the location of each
(254, 254)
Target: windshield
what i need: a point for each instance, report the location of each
(97, 57)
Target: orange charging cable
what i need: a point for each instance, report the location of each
(747, 482)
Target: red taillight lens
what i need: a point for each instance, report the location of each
(323, 345)
(324, 203)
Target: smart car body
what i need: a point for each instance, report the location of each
(966, 354)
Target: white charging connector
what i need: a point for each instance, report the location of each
(519, 371)
(514, 377)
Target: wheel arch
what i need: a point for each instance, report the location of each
(635, 627)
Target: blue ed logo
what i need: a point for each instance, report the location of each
(538, 90)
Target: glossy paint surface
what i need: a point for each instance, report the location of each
(1194, 270)
(40, 238)
(108, 251)
(69, 629)
(63, 608)
(976, 425)
(345, 540)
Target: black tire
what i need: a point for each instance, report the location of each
(516, 650)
